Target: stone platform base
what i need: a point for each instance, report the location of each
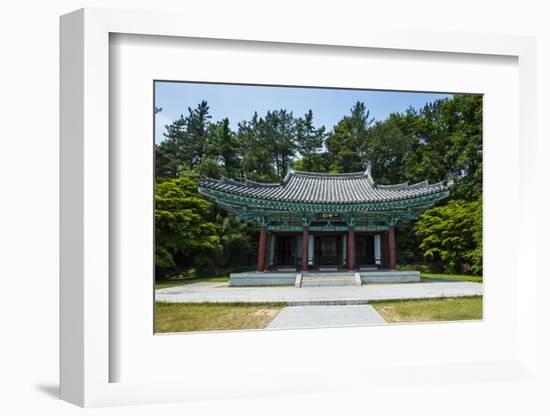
(282, 278)
(288, 278)
(390, 276)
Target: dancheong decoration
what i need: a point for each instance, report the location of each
(323, 201)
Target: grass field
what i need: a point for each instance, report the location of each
(461, 277)
(426, 310)
(184, 317)
(162, 284)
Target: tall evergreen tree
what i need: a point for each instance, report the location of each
(309, 142)
(389, 150)
(185, 142)
(463, 124)
(197, 128)
(256, 152)
(223, 147)
(347, 143)
(278, 130)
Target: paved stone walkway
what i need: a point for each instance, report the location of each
(220, 292)
(326, 316)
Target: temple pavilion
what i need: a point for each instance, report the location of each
(319, 221)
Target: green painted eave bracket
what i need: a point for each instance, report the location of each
(278, 215)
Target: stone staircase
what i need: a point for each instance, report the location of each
(329, 279)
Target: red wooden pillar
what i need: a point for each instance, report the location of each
(383, 249)
(351, 248)
(392, 257)
(262, 249)
(305, 242)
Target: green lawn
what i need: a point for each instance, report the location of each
(184, 317)
(461, 277)
(161, 284)
(426, 310)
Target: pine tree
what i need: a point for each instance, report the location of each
(185, 142)
(223, 148)
(256, 153)
(389, 150)
(278, 130)
(347, 142)
(309, 142)
(197, 128)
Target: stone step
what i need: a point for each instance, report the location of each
(328, 284)
(328, 277)
(330, 280)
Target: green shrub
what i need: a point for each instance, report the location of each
(452, 236)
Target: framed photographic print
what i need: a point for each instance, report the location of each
(277, 209)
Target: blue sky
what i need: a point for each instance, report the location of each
(238, 102)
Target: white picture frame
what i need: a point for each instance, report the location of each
(86, 264)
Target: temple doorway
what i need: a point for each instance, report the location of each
(364, 250)
(286, 250)
(328, 250)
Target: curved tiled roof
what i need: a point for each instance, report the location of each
(322, 188)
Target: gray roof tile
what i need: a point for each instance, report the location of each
(318, 188)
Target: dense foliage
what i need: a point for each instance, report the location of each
(442, 140)
(451, 235)
(181, 230)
